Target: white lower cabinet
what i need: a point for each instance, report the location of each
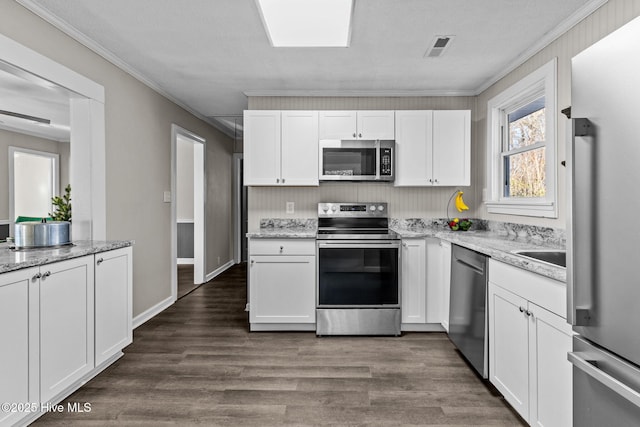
(282, 283)
(66, 324)
(59, 322)
(445, 259)
(16, 367)
(425, 284)
(113, 295)
(528, 346)
(414, 281)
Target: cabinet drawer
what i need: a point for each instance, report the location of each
(282, 247)
(543, 291)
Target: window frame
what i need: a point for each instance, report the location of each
(541, 82)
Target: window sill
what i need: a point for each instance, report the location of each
(523, 208)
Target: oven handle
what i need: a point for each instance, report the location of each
(361, 244)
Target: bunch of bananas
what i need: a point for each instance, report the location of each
(460, 204)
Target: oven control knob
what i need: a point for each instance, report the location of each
(325, 208)
(372, 208)
(380, 208)
(334, 208)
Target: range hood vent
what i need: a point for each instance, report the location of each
(439, 45)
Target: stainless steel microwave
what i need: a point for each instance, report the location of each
(356, 160)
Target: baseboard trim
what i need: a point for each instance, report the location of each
(152, 312)
(219, 270)
(184, 261)
(421, 327)
(263, 327)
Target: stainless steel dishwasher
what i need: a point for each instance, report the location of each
(467, 307)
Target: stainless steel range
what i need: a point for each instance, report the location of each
(358, 271)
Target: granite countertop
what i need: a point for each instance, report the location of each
(274, 228)
(495, 239)
(11, 260)
(496, 242)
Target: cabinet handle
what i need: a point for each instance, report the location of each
(404, 245)
(431, 181)
(528, 312)
(36, 276)
(354, 135)
(281, 249)
(283, 180)
(100, 261)
(277, 180)
(46, 274)
(521, 309)
(253, 262)
(359, 135)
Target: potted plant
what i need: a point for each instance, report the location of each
(62, 206)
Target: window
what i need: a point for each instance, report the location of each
(522, 145)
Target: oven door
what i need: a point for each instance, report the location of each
(358, 274)
(349, 160)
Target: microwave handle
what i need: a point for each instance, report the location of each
(377, 145)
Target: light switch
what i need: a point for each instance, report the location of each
(290, 207)
(167, 196)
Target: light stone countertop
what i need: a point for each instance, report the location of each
(11, 260)
(497, 240)
(497, 245)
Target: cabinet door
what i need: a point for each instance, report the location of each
(509, 347)
(414, 261)
(261, 147)
(337, 125)
(66, 324)
(445, 247)
(376, 124)
(414, 143)
(15, 355)
(435, 283)
(300, 148)
(113, 280)
(282, 289)
(551, 372)
(452, 147)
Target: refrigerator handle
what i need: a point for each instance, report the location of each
(590, 368)
(581, 183)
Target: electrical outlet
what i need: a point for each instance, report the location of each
(484, 194)
(167, 196)
(218, 260)
(291, 207)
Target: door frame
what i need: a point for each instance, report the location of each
(237, 207)
(199, 199)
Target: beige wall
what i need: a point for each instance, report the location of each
(138, 158)
(422, 202)
(609, 17)
(13, 139)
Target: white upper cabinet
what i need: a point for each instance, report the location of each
(374, 124)
(261, 147)
(452, 147)
(280, 148)
(433, 148)
(299, 160)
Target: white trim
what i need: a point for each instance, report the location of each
(224, 267)
(543, 79)
(421, 327)
(151, 312)
(199, 200)
(237, 208)
(361, 93)
(282, 327)
(184, 261)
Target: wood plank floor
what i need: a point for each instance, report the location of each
(185, 280)
(197, 364)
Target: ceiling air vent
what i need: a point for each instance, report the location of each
(439, 45)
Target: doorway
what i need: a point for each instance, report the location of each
(187, 211)
(240, 203)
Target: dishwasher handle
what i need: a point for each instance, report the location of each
(477, 268)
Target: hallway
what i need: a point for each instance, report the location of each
(197, 364)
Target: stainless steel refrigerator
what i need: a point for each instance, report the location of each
(603, 286)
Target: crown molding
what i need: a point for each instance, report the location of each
(358, 93)
(97, 48)
(545, 41)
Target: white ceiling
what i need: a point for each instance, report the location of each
(209, 55)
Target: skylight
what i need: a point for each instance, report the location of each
(307, 23)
